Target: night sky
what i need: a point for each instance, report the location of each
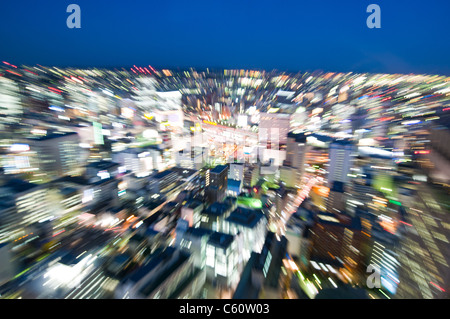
(329, 35)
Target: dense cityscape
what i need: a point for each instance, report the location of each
(216, 184)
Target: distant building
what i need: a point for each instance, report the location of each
(192, 159)
(194, 241)
(57, 154)
(22, 204)
(10, 105)
(215, 252)
(336, 198)
(98, 188)
(296, 229)
(341, 152)
(296, 150)
(162, 182)
(268, 265)
(236, 171)
(139, 161)
(384, 257)
(101, 170)
(67, 196)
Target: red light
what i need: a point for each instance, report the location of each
(13, 72)
(440, 288)
(62, 231)
(30, 72)
(405, 223)
(54, 90)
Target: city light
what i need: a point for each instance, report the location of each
(120, 180)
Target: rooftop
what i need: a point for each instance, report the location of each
(342, 142)
(102, 164)
(299, 137)
(193, 203)
(175, 261)
(245, 217)
(217, 209)
(221, 240)
(163, 174)
(233, 183)
(219, 169)
(198, 231)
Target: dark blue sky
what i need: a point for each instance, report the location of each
(298, 35)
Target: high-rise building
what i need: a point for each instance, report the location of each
(336, 198)
(251, 226)
(164, 106)
(100, 170)
(213, 217)
(294, 168)
(384, 257)
(162, 182)
(57, 154)
(296, 150)
(261, 275)
(337, 240)
(236, 171)
(22, 204)
(222, 259)
(341, 152)
(10, 104)
(216, 182)
(168, 274)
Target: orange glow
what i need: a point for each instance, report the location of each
(209, 122)
(321, 190)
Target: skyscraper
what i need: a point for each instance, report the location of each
(22, 204)
(216, 183)
(10, 105)
(57, 153)
(340, 161)
(296, 150)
